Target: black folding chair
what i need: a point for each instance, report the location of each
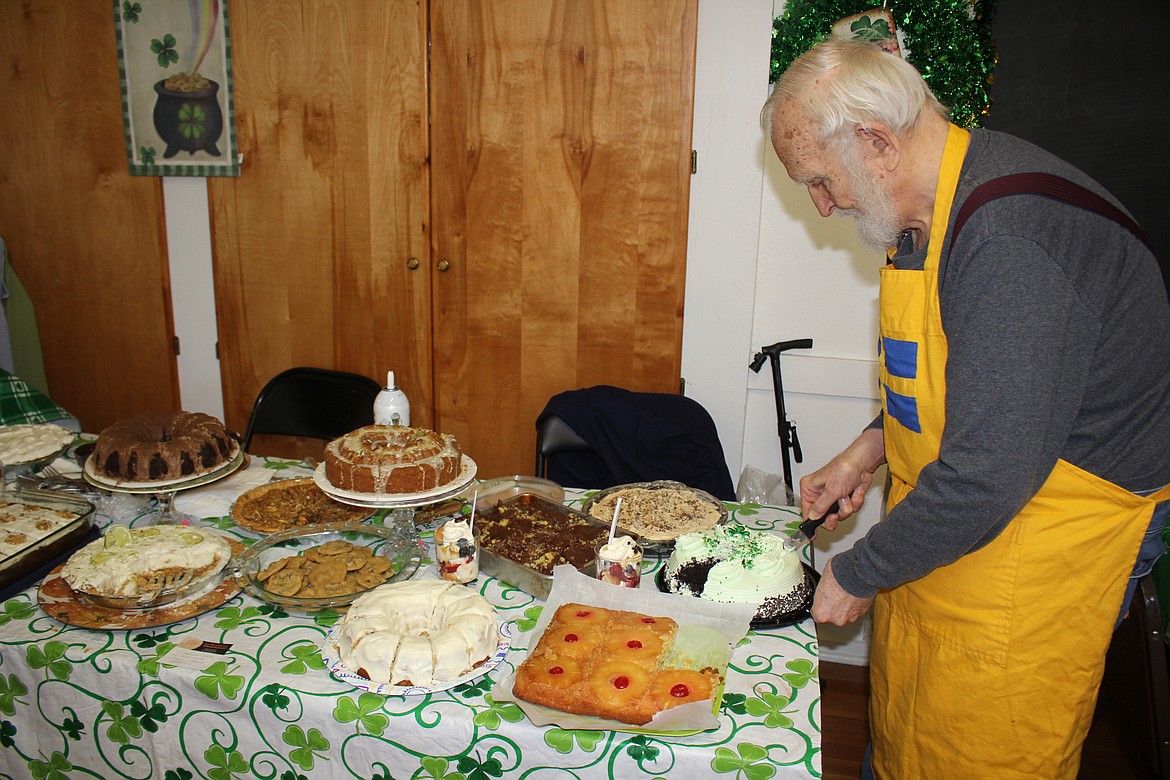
(318, 403)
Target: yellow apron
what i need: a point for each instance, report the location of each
(988, 667)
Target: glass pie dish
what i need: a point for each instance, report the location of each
(389, 554)
(658, 512)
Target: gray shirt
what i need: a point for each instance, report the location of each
(1058, 335)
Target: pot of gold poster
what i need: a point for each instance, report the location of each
(174, 60)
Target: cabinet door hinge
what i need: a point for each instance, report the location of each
(694, 161)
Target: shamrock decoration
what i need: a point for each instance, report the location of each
(217, 679)
(744, 761)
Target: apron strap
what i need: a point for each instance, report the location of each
(1049, 186)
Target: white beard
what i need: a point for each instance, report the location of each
(878, 223)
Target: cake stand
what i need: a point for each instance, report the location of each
(401, 505)
(164, 490)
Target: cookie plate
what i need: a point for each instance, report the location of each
(403, 553)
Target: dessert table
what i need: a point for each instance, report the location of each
(242, 691)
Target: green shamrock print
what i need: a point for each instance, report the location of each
(642, 751)
(147, 641)
(147, 154)
(385, 774)
(771, 707)
(177, 774)
(734, 703)
(17, 609)
(122, 728)
(165, 49)
(744, 761)
(50, 659)
(291, 775)
(476, 689)
(56, 768)
(305, 657)
(435, 767)
(149, 717)
(366, 712)
(273, 698)
(306, 746)
(562, 740)
(7, 732)
(496, 711)
(10, 688)
(803, 672)
(217, 679)
(130, 12)
(73, 728)
(475, 769)
(149, 666)
(230, 618)
(531, 615)
(225, 764)
(326, 618)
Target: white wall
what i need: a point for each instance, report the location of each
(762, 267)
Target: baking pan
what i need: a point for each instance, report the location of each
(56, 544)
(524, 577)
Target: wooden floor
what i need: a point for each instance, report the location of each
(1107, 753)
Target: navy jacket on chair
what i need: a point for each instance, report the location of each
(638, 437)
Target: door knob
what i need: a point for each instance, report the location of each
(412, 263)
(442, 265)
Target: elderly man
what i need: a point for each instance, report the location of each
(1025, 382)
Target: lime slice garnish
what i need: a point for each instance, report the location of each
(118, 536)
(192, 538)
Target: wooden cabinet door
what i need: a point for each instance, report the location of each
(86, 239)
(561, 138)
(313, 242)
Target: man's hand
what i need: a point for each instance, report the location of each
(845, 478)
(833, 604)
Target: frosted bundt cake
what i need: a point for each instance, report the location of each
(392, 459)
(162, 446)
(418, 633)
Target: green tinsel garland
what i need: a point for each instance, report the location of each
(950, 47)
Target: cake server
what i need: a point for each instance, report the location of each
(807, 529)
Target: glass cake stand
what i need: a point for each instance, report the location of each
(164, 490)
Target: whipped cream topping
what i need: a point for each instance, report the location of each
(28, 442)
(454, 530)
(107, 569)
(619, 549)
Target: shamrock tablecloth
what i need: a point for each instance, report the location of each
(80, 703)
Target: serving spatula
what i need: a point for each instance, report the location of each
(808, 529)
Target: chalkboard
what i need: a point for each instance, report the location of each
(1090, 82)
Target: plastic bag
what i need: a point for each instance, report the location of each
(759, 487)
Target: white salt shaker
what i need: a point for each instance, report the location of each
(391, 406)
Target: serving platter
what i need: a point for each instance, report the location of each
(332, 657)
(163, 485)
(405, 554)
(467, 473)
(62, 603)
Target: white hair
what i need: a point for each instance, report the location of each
(845, 84)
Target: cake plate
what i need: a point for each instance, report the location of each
(164, 490)
(398, 500)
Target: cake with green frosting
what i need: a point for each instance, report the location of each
(737, 565)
